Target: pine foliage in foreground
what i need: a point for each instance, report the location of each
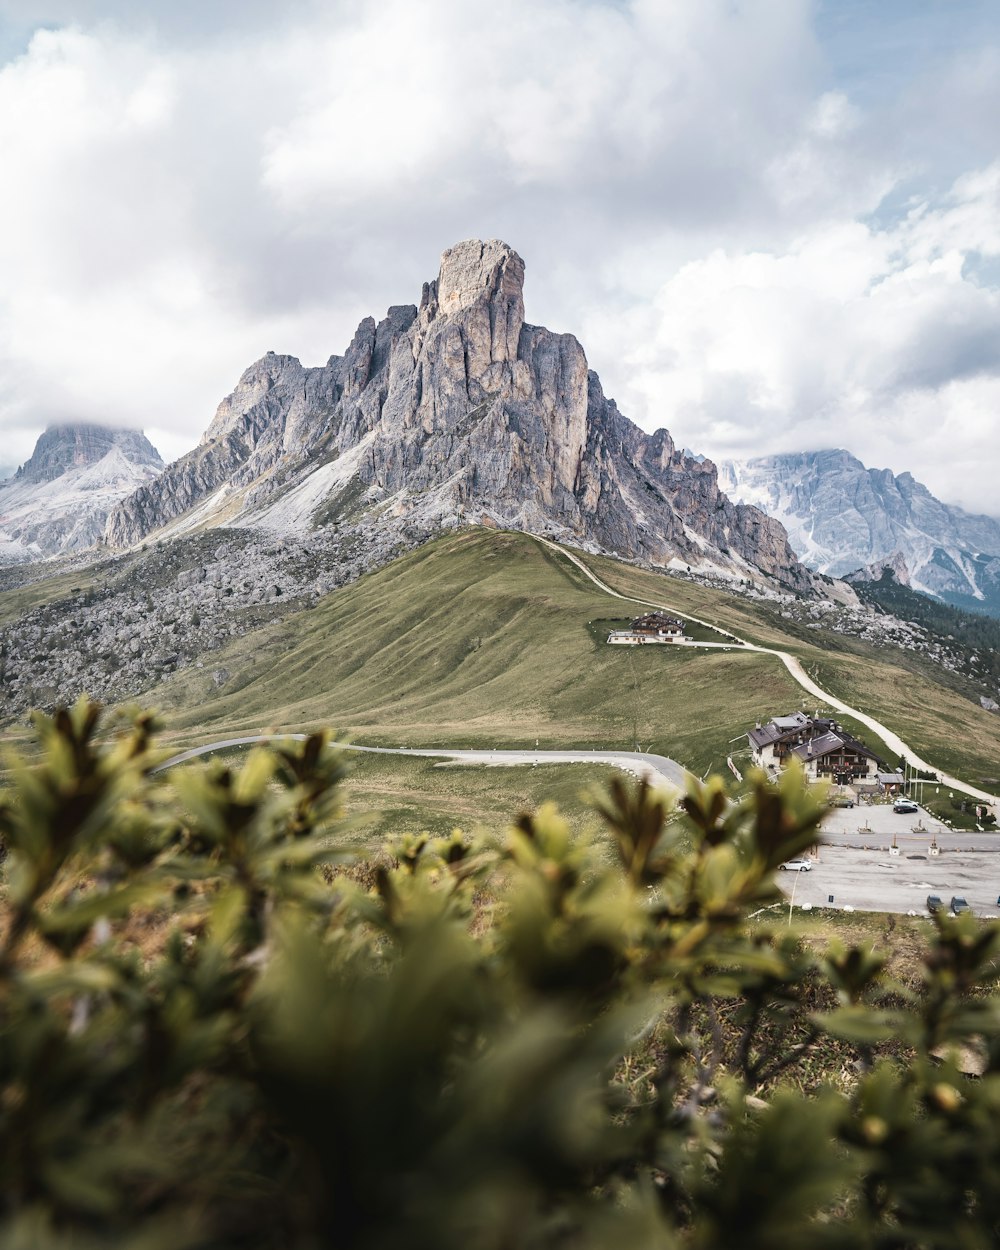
(544, 1043)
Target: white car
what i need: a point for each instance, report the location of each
(796, 865)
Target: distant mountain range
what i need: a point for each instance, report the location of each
(59, 499)
(842, 517)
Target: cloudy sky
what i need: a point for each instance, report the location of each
(773, 224)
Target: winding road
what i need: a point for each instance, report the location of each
(656, 768)
(797, 672)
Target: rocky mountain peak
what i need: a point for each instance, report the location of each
(255, 382)
(75, 445)
(60, 498)
(473, 270)
(480, 291)
(894, 564)
(458, 409)
(842, 518)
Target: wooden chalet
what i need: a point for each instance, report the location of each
(823, 747)
(837, 756)
(657, 625)
(653, 627)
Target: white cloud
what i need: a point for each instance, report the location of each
(691, 188)
(180, 207)
(852, 337)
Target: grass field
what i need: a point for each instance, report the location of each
(477, 639)
(486, 638)
(16, 599)
(401, 795)
(900, 940)
(415, 795)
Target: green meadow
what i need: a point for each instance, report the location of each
(490, 639)
(479, 639)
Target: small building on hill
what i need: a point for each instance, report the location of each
(653, 627)
(658, 625)
(890, 783)
(771, 744)
(824, 748)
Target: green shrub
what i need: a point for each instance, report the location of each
(211, 1036)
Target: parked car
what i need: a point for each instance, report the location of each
(958, 905)
(934, 902)
(904, 805)
(797, 865)
(840, 800)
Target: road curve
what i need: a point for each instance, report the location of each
(659, 769)
(797, 672)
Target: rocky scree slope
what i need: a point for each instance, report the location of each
(456, 410)
(59, 499)
(138, 616)
(842, 517)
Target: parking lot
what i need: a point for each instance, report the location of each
(877, 881)
(873, 879)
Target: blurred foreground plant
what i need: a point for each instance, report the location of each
(210, 1037)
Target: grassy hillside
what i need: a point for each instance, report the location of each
(404, 795)
(394, 795)
(477, 639)
(484, 638)
(22, 588)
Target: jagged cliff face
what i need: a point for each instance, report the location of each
(456, 409)
(842, 517)
(59, 499)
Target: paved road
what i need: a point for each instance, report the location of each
(916, 841)
(876, 825)
(795, 669)
(658, 768)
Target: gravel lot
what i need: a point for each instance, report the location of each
(875, 880)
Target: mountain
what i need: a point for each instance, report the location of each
(840, 516)
(59, 499)
(456, 409)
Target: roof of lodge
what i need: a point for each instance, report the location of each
(827, 743)
(818, 747)
(826, 737)
(780, 727)
(657, 620)
(764, 735)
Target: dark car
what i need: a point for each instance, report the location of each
(958, 905)
(840, 800)
(934, 902)
(904, 805)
